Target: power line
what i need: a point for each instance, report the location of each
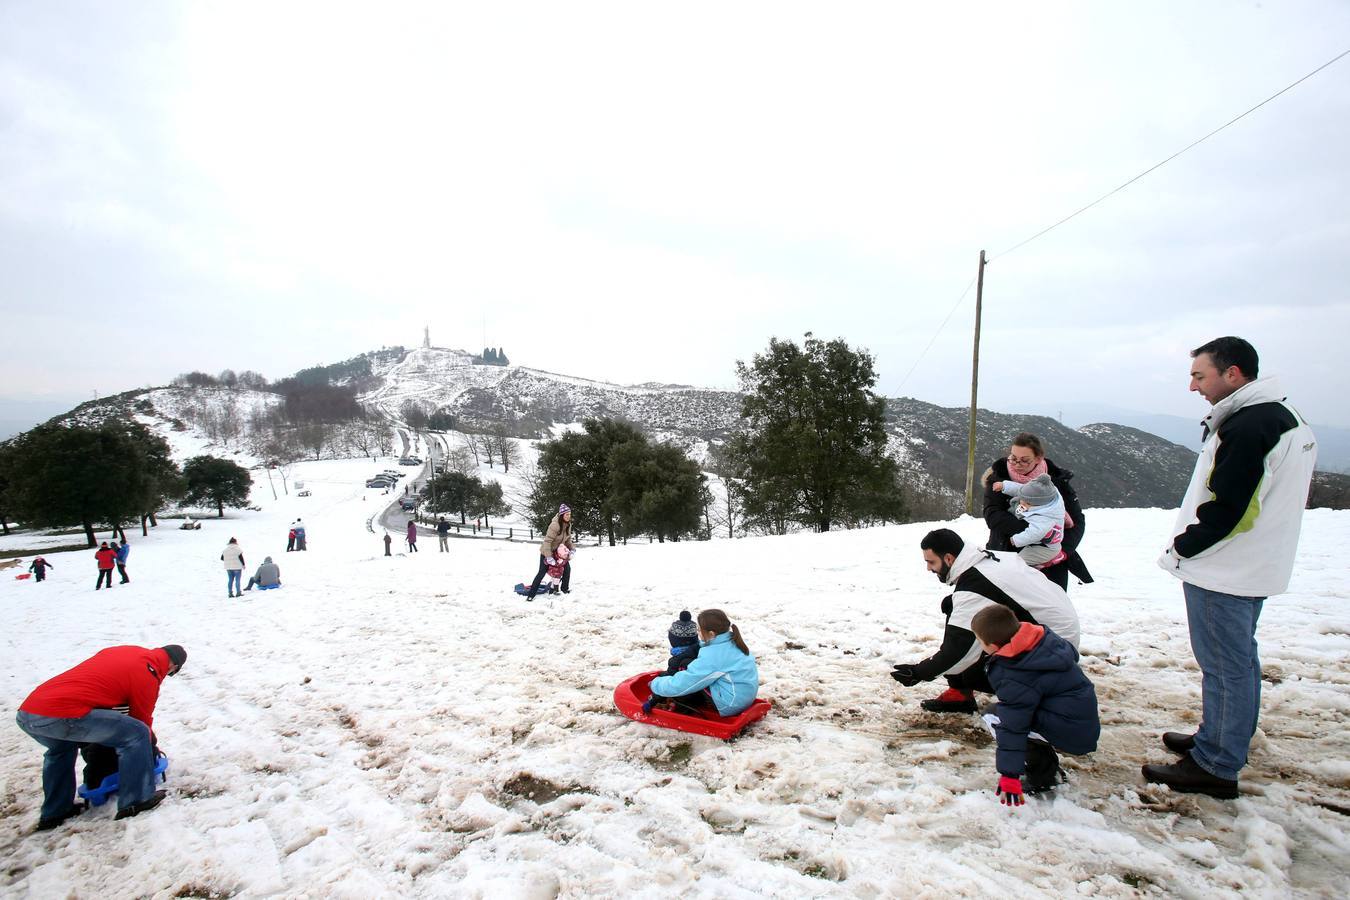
(1043, 231)
(951, 313)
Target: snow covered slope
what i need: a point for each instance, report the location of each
(407, 727)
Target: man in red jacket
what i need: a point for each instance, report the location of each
(82, 706)
(106, 557)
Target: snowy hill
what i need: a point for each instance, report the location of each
(1115, 466)
(407, 727)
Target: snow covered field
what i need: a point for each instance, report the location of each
(409, 727)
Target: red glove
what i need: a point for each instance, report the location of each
(1009, 791)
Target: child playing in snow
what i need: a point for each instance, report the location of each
(723, 678)
(553, 581)
(39, 568)
(683, 637)
(1042, 508)
(1044, 701)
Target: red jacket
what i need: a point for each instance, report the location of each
(117, 676)
(106, 557)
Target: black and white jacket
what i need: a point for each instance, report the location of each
(981, 577)
(1237, 529)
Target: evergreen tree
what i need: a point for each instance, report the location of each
(452, 492)
(487, 501)
(814, 447)
(617, 483)
(77, 476)
(217, 482)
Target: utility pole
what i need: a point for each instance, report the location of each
(974, 391)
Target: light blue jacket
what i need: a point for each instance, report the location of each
(729, 675)
(1045, 523)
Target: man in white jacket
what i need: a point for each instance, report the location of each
(1233, 546)
(980, 578)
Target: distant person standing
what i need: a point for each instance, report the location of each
(233, 557)
(123, 551)
(412, 536)
(387, 542)
(106, 558)
(300, 540)
(290, 540)
(1233, 546)
(559, 533)
(443, 532)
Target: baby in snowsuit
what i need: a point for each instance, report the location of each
(1042, 508)
(552, 582)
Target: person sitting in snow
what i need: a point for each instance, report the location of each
(1041, 507)
(980, 578)
(723, 678)
(683, 637)
(1045, 702)
(39, 568)
(268, 575)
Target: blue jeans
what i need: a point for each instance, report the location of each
(63, 737)
(1223, 639)
(232, 584)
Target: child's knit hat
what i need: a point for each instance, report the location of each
(1039, 491)
(683, 632)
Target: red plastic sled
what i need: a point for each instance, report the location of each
(631, 694)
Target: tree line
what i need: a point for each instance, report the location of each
(112, 475)
(811, 452)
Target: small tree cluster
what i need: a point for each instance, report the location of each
(467, 495)
(56, 476)
(211, 481)
(618, 483)
(494, 356)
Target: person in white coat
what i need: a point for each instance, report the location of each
(1232, 547)
(233, 557)
(980, 578)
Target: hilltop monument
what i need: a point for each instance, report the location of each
(426, 338)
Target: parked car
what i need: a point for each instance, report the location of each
(302, 493)
(409, 461)
(379, 483)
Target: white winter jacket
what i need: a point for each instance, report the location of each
(1237, 529)
(981, 577)
(233, 557)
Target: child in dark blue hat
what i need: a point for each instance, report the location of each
(683, 637)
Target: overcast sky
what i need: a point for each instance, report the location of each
(642, 192)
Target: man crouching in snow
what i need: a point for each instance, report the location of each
(81, 707)
(1045, 702)
(980, 578)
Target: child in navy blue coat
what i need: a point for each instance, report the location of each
(1045, 702)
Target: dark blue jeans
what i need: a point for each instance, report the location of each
(1223, 639)
(63, 737)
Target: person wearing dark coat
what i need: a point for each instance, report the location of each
(1025, 460)
(1045, 702)
(39, 568)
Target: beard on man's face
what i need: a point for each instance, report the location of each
(942, 573)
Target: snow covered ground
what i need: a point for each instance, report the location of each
(409, 727)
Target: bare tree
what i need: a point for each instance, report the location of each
(504, 447)
(315, 437)
(471, 441)
(460, 460)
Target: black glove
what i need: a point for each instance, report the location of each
(905, 675)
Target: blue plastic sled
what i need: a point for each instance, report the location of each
(269, 587)
(523, 589)
(99, 795)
